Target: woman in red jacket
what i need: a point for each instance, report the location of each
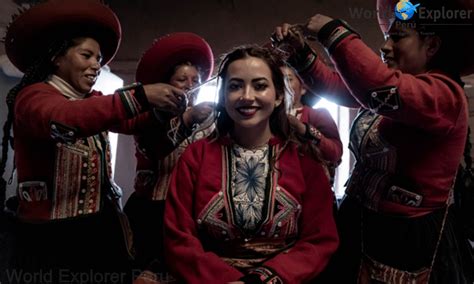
(408, 140)
(316, 125)
(182, 60)
(249, 204)
(70, 226)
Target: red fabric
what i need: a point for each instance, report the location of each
(428, 131)
(330, 144)
(39, 104)
(198, 178)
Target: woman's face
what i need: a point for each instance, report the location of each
(186, 77)
(250, 95)
(295, 84)
(405, 50)
(80, 65)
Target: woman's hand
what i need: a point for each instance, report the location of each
(296, 124)
(294, 34)
(166, 98)
(315, 23)
(198, 113)
(290, 35)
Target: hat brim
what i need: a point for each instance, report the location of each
(171, 50)
(31, 34)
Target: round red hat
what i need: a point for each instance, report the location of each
(460, 30)
(31, 33)
(170, 50)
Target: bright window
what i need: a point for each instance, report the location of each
(107, 83)
(341, 117)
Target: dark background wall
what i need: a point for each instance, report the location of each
(224, 23)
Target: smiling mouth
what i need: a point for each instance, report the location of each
(91, 78)
(247, 111)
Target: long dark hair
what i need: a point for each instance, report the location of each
(279, 124)
(37, 72)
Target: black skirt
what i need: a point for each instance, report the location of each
(89, 249)
(404, 243)
(146, 221)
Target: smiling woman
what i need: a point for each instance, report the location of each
(80, 65)
(249, 204)
(62, 152)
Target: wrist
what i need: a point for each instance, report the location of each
(334, 32)
(312, 134)
(303, 58)
(134, 99)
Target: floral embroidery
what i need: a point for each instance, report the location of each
(248, 187)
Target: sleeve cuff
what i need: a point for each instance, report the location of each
(134, 99)
(303, 59)
(334, 32)
(261, 275)
(312, 134)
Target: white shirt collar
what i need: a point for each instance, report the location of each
(65, 88)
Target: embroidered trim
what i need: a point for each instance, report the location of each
(77, 178)
(334, 32)
(384, 99)
(402, 196)
(62, 133)
(376, 161)
(133, 98)
(32, 191)
(266, 275)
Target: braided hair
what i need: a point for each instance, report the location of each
(37, 72)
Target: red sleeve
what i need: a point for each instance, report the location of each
(430, 101)
(185, 255)
(328, 84)
(330, 144)
(318, 237)
(39, 104)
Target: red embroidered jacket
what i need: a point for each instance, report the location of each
(61, 148)
(202, 241)
(330, 144)
(410, 143)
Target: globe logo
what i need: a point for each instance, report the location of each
(404, 10)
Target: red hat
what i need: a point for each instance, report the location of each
(170, 50)
(31, 34)
(457, 31)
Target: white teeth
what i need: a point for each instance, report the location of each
(247, 110)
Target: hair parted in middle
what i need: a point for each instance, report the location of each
(279, 124)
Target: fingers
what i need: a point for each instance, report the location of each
(282, 31)
(166, 97)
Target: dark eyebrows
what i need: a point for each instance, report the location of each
(260, 79)
(253, 80)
